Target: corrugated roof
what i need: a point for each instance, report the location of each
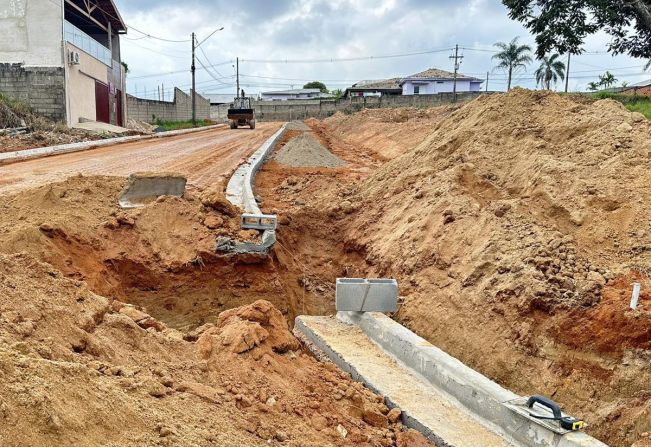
(112, 15)
(220, 98)
(296, 91)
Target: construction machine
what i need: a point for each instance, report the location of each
(242, 112)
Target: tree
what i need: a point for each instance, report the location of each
(317, 84)
(551, 69)
(593, 86)
(337, 93)
(563, 25)
(512, 57)
(607, 80)
(126, 67)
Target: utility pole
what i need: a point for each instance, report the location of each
(567, 73)
(237, 72)
(457, 62)
(194, 103)
(487, 73)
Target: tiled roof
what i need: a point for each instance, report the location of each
(393, 83)
(435, 73)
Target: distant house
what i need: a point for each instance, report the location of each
(220, 98)
(374, 88)
(293, 94)
(640, 88)
(433, 81)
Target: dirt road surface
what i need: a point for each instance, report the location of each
(204, 157)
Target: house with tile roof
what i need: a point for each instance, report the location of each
(374, 88)
(434, 81)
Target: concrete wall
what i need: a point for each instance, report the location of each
(291, 110)
(178, 110)
(31, 32)
(43, 88)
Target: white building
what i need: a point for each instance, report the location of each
(433, 81)
(293, 94)
(63, 58)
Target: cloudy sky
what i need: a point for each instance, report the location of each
(284, 43)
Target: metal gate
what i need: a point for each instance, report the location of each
(102, 111)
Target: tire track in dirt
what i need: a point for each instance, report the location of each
(204, 157)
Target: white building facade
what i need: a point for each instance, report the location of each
(434, 81)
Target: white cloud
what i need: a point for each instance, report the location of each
(323, 29)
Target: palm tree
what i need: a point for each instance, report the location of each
(607, 79)
(551, 69)
(512, 57)
(593, 86)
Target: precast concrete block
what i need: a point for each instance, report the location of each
(366, 295)
(258, 221)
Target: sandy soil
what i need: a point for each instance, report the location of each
(205, 157)
(512, 224)
(514, 230)
(84, 363)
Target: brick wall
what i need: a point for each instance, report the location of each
(178, 110)
(42, 88)
(302, 109)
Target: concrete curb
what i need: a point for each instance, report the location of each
(239, 192)
(10, 157)
(474, 391)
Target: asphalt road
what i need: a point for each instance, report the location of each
(204, 157)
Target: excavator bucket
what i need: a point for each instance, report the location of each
(144, 188)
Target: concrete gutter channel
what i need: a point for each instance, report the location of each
(27, 154)
(239, 192)
(450, 403)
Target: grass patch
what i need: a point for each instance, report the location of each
(176, 125)
(634, 103)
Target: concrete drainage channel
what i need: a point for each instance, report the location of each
(239, 192)
(450, 403)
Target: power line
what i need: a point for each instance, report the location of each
(343, 59)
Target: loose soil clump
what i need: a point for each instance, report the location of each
(85, 363)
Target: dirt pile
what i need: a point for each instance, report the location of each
(515, 226)
(385, 133)
(80, 369)
(40, 131)
(303, 150)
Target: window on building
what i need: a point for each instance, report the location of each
(416, 89)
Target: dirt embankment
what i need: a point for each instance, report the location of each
(515, 230)
(82, 362)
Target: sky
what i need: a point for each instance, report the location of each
(283, 44)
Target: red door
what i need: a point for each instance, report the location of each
(102, 102)
(118, 102)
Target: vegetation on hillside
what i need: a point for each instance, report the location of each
(634, 103)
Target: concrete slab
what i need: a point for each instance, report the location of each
(100, 128)
(366, 295)
(424, 407)
(360, 342)
(143, 188)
